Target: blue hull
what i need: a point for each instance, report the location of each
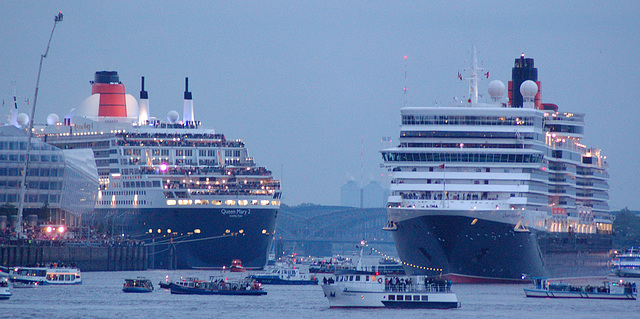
(278, 281)
(488, 251)
(137, 290)
(177, 289)
(200, 237)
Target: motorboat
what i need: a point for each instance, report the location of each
(140, 284)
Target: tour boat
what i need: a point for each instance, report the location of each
(37, 276)
(608, 290)
(285, 276)
(217, 286)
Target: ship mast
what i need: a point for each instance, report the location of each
(23, 186)
(473, 77)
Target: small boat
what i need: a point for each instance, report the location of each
(236, 266)
(285, 276)
(5, 292)
(166, 284)
(22, 277)
(627, 264)
(333, 264)
(139, 284)
(608, 290)
(217, 286)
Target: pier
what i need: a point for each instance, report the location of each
(85, 257)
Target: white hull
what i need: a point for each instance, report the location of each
(339, 297)
(359, 289)
(576, 294)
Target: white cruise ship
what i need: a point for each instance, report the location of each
(498, 191)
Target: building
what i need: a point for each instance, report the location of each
(65, 181)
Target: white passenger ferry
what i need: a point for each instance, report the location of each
(37, 276)
(364, 289)
(358, 288)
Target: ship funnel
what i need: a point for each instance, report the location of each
(522, 71)
(143, 116)
(187, 114)
(113, 102)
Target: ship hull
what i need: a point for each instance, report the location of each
(196, 237)
(473, 250)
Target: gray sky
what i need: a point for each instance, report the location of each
(312, 87)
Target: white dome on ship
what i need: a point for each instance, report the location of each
(23, 119)
(496, 89)
(528, 89)
(172, 117)
(52, 119)
(90, 107)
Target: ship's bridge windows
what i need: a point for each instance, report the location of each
(243, 202)
(185, 202)
(181, 195)
(230, 202)
(168, 195)
(171, 202)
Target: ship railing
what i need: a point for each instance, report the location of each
(443, 287)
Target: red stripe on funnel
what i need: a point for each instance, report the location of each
(112, 99)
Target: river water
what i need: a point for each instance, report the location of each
(100, 296)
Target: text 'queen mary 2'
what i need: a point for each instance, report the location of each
(197, 199)
(495, 192)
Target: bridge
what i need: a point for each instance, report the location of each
(312, 230)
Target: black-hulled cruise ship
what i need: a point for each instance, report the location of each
(196, 198)
(498, 191)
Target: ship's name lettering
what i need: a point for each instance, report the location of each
(85, 126)
(236, 212)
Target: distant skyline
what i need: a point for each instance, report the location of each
(312, 88)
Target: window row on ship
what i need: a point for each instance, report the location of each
(228, 202)
(180, 152)
(470, 184)
(120, 193)
(475, 134)
(179, 143)
(472, 120)
(121, 202)
(506, 145)
(461, 157)
(169, 161)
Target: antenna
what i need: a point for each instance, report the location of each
(361, 171)
(13, 120)
(23, 186)
(405, 80)
(473, 77)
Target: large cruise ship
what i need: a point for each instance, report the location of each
(195, 197)
(498, 191)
